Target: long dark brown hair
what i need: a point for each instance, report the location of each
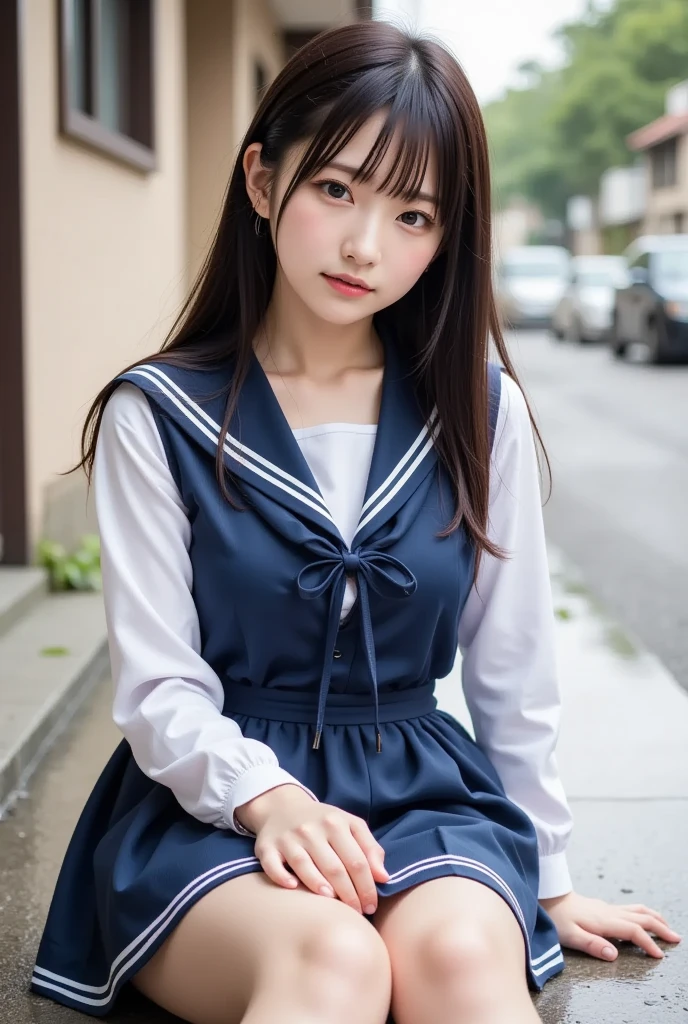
(323, 96)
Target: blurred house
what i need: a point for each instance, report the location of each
(583, 233)
(515, 224)
(664, 145)
(120, 122)
(621, 206)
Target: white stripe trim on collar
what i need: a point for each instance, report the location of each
(227, 447)
(402, 480)
(244, 449)
(402, 462)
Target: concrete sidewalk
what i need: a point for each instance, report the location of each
(623, 755)
(624, 764)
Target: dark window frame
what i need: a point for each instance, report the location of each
(665, 164)
(137, 147)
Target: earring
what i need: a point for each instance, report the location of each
(257, 223)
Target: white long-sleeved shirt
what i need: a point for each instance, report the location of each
(168, 700)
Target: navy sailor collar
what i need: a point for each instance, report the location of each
(260, 447)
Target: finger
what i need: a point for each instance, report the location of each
(660, 928)
(337, 873)
(640, 908)
(358, 867)
(301, 862)
(671, 935)
(593, 945)
(274, 867)
(375, 854)
(630, 931)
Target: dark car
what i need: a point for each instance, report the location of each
(652, 308)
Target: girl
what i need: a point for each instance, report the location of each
(293, 499)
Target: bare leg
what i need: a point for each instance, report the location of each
(457, 954)
(253, 952)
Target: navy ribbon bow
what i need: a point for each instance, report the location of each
(372, 569)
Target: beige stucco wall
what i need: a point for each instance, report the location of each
(663, 203)
(105, 259)
(224, 41)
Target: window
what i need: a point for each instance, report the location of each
(642, 260)
(663, 159)
(106, 77)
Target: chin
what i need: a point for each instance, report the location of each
(346, 311)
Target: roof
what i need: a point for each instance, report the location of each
(666, 127)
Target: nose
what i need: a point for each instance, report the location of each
(362, 245)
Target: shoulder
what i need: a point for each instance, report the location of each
(514, 427)
(128, 418)
(127, 408)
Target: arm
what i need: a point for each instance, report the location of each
(167, 699)
(506, 636)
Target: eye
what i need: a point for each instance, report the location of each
(325, 185)
(416, 213)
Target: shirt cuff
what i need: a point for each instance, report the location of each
(252, 783)
(555, 879)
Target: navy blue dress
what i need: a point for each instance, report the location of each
(347, 707)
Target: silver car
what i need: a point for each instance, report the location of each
(530, 282)
(586, 309)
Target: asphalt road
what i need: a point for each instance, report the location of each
(617, 436)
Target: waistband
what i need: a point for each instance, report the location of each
(341, 709)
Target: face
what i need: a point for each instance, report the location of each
(334, 229)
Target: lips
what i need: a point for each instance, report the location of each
(354, 282)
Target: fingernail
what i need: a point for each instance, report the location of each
(325, 890)
(609, 953)
(370, 909)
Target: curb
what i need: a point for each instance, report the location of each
(40, 695)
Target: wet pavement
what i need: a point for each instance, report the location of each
(617, 435)
(624, 764)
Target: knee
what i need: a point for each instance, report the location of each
(348, 948)
(454, 952)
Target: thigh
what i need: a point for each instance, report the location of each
(244, 934)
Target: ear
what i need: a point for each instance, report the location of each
(257, 179)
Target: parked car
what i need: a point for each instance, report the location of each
(586, 309)
(531, 280)
(653, 307)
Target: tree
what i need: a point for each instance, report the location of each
(556, 137)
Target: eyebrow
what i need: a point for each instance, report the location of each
(353, 171)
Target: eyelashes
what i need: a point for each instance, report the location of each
(323, 185)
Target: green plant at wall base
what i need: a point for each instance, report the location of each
(76, 570)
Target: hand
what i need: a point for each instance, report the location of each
(333, 852)
(583, 923)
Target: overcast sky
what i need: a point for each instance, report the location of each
(492, 37)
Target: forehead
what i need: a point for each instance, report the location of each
(355, 153)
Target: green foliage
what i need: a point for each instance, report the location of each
(78, 570)
(555, 137)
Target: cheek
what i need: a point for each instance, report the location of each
(405, 263)
(303, 233)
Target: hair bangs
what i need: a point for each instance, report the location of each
(418, 124)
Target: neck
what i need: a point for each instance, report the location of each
(298, 342)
